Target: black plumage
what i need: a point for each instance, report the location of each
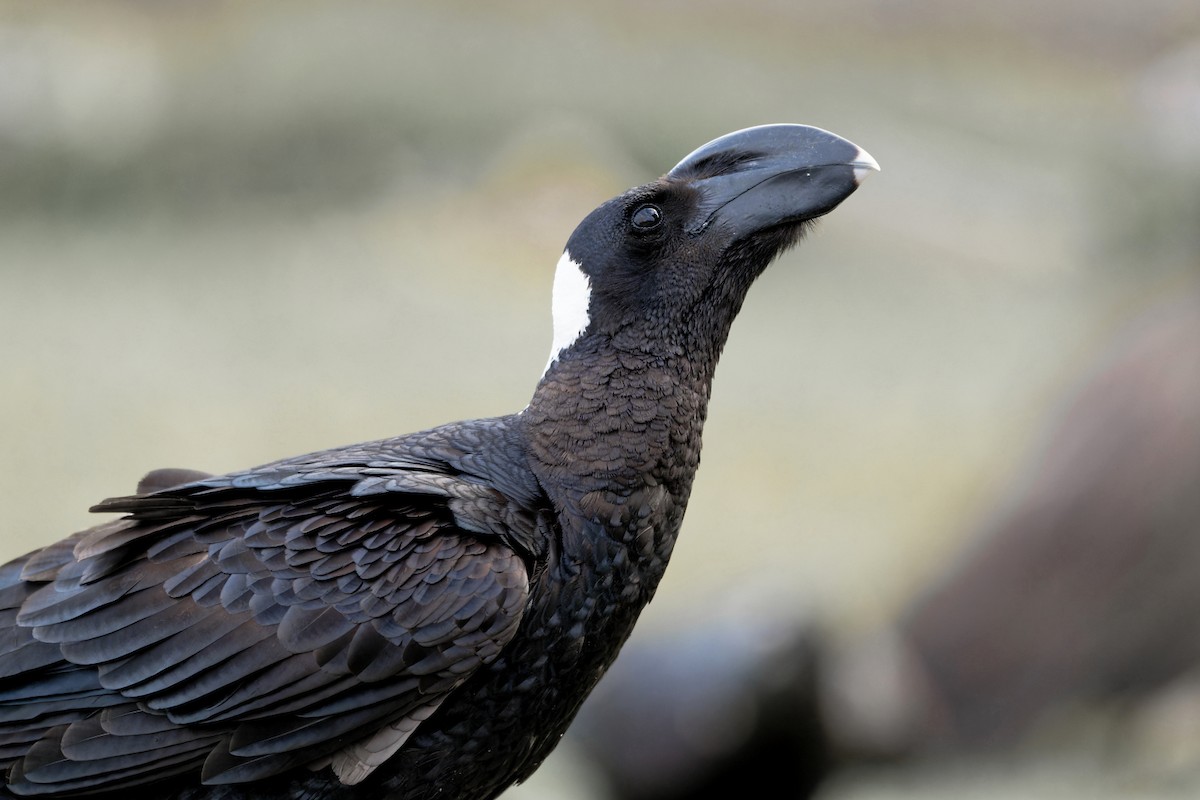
(421, 616)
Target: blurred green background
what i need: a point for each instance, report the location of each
(235, 232)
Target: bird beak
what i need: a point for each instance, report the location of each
(771, 175)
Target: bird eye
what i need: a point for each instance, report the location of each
(646, 217)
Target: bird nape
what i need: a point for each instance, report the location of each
(420, 616)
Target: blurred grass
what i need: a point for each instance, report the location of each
(236, 232)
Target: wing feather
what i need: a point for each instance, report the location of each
(258, 639)
(262, 622)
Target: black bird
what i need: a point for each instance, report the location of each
(415, 617)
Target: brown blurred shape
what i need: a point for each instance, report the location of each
(1085, 585)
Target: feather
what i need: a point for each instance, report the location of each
(305, 629)
(176, 684)
(159, 480)
(155, 666)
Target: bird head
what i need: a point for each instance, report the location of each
(668, 264)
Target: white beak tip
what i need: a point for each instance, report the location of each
(864, 164)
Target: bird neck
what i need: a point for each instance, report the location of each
(612, 417)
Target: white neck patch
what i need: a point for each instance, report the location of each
(571, 297)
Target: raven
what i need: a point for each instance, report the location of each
(420, 616)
